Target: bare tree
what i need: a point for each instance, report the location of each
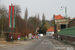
(17, 10)
(25, 18)
(34, 21)
(17, 16)
(3, 16)
(26, 14)
(38, 16)
(43, 19)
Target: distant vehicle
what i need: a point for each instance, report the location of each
(41, 35)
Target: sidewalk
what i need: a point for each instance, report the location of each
(61, 45)
(15, 43)
(5, 43)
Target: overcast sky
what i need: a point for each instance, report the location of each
(48, 7)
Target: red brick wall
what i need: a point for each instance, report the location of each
(15, 36)
(63, 37)
(71, 24)
(69, 38)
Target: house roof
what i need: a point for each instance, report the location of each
(58, 17)
(73, 19)
(51, 29)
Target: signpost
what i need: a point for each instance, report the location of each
(11, 38)
(18, 38)
(11, 18)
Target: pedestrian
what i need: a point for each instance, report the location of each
(61, 38)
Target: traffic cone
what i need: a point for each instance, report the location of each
(18, 41)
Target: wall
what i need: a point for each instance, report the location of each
(8, 36)
(71, 23)
(49, 33)
(67, 38)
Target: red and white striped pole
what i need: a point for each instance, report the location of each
(11, 18)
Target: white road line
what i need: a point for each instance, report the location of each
(45, 41)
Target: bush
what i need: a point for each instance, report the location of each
(22, 38)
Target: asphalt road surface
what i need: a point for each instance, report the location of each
(43, 43)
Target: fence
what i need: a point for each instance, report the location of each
(8, 36)
(67, 34)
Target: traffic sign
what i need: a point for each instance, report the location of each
(18, 37)
(11, 36)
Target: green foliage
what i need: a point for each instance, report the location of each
(43, 28)
(22, 38)
(52, 23)
(47, 26)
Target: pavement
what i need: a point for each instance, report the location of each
(43, 43)
(62, 45)
(14, 43)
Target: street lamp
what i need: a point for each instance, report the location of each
(65, 11)
(65, 17)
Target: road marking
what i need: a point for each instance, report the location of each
(46, 41)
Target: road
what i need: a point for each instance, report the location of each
(44, 43)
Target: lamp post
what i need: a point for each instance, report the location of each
(65, 10)
(65, 13)
(65, 21)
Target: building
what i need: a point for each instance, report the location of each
(64, 29)
(50, 31)
(60, 22)
(71, 23)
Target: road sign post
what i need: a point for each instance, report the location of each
(18, 38)
(11, 38)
